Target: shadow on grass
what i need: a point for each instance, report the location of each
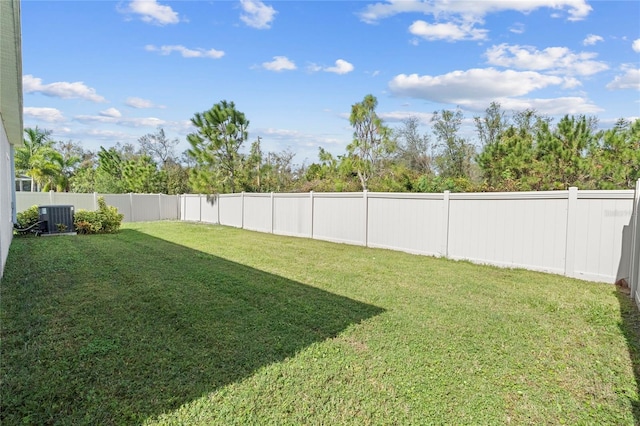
(630, 326)
(115, 329)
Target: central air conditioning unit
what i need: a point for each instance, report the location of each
(56, 220)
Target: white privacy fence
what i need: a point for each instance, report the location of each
(591, 235)
(581, 234)
(135, 207)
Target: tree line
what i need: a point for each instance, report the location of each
(520, 151)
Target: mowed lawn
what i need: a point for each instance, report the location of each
(182, 323)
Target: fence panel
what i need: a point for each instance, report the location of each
(79, 201)
(169, 207)
(145, 207)
(190, 207)
(209, 208)
(231, 209)
(600, 222)
(257, 212)
(340, 217)
(24, 200)
(525, 230)
(406, 222)
(292, 214)
(123, 203)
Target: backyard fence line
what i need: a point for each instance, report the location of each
(581, 234)
(590, 235)
(134, 207)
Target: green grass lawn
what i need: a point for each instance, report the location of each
(180, 323)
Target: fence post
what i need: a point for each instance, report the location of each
(242, 211)
(365, 198)
(51, 197)
(95, 201)
(635, 241)
(444, 248)
(311, 197)
(570, 242)
(131, 206)
(272, 212)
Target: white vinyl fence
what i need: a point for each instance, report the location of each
(135, 207)
(581, 234)
(590, 235)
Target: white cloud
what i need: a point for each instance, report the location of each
(629, 80)
(60, 89)
(152, 12)
(108, 134)
(140, 103)
(186, 52)
(257, 14)
(283, 133)
(636, 45)
(470, 10)
(279, 63)
(50, 115)
(475, 89)
(313, 67)
(458, 87)
(551, 106)
(571, 83)
(341, 67)
(552, 59)
(111, 112)
(122, 121)
(399, 116)
(305, 145)
(592, 39)
(447, 31)
(517, 28)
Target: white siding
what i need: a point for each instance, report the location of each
(6, 219)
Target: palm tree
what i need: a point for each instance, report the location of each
(37, 158)
(66, 162)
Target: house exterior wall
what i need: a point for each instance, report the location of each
(10, 117)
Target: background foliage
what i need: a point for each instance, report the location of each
(517, 151)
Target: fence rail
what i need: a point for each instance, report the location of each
(590, 235)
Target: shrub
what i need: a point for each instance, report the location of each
(86, 222)
(105, 220)
(28, 217)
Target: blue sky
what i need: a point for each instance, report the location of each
(102, 72)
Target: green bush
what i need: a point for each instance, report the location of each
(105, 220)
(28, 217)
